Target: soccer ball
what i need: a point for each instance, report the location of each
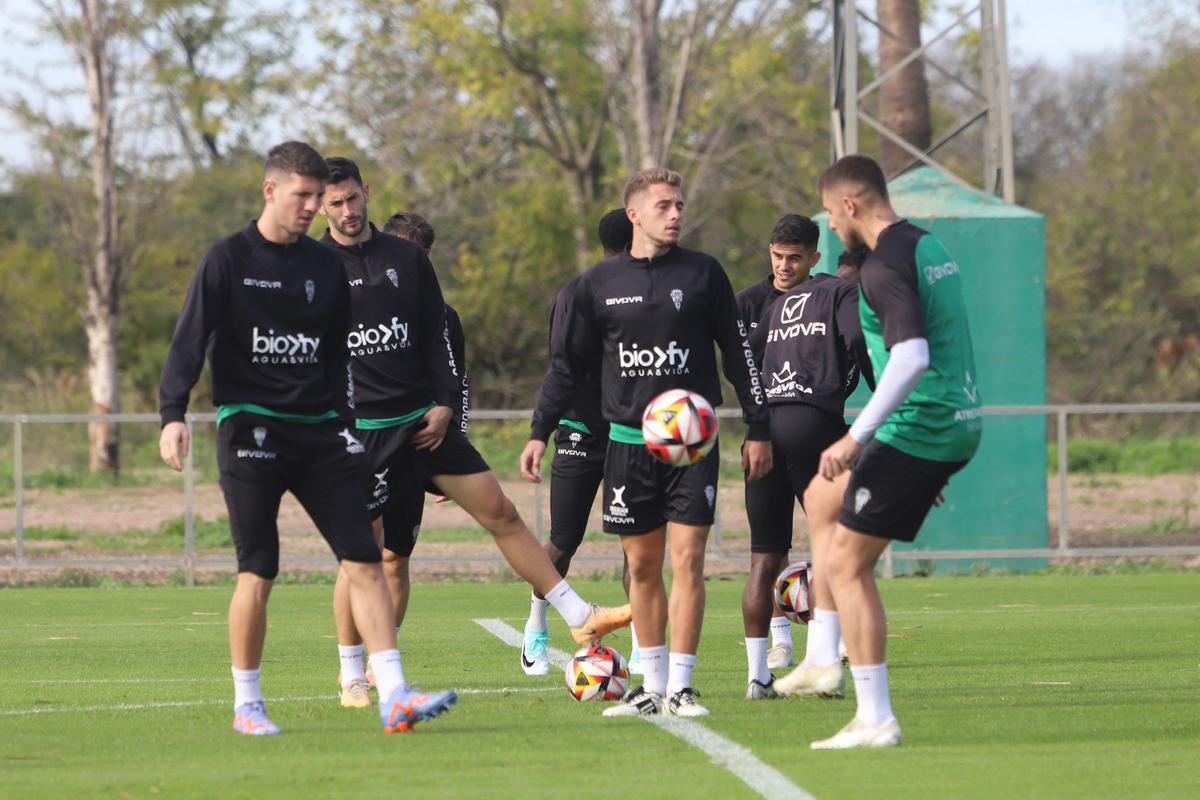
(791, 592)
(679, 427)
(597, 673)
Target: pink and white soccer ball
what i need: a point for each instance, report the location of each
(597, 672)
(679, 427)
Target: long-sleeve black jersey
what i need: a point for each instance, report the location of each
(752, 303)
(812, 344)
(272, 319)
(653, 323)
(397, 340)
(585, 405)
(457, 342)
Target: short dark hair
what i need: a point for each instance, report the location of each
(615, 232)
(796, 229)
(863, 172)
(343, 169)
(853, 258)
(413, 227)
(297, 157)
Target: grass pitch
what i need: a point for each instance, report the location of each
(1048, 686)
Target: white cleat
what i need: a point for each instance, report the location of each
(684, 704)
(535, 652)
(780, 656)
(637, 702)
(859, 734)
(757, 690)
(809, 681)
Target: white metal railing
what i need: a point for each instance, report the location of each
(1060, 412)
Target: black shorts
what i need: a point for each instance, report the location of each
(799, 433)
(641, 494)
(399, 495)
(575, 475)
(890, 492)
(262, 457)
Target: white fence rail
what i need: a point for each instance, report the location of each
(1060, 413)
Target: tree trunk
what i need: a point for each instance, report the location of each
(903, 98)
(101, 275)
(646, 66)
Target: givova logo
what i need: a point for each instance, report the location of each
(379, 338)
(640, 362)
(282, 348)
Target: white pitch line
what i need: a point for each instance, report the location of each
(28, 712)
(763, 779)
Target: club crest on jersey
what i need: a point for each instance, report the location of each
(861, 498)
(677, 298)
(310, 290)
(394, 277)
(576, 437)
(260, 436)
(353, 446)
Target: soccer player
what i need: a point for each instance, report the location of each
(652, 316)
(404, 397)
(271, 308)
(922, 425)
(580, 440)
(808, 342)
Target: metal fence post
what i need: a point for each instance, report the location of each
(716, 526)
(19, 485)
(889, 565)
(537, 512)
(189, 514)
(1063, 533)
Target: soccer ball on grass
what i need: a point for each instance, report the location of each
(597, 672)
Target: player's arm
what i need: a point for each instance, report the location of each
(201, 313)
(849, 326)
(729, 332)
(458, 348)
(895, 299)
(436, 355)
(574, 344)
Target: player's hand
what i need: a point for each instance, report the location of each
(173, 444)
(440, 498)
(531, 460)
(756, 459)
(940, 500)
(437, 419)
(837, 457)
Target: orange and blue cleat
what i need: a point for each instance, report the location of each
(250, 719)
(408, 706)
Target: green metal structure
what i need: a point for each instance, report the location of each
(999, 500)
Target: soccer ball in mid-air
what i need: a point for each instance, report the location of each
(597, 672)
(791, 592)
(679, 427)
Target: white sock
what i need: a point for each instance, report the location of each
(389, 672)
(781, 631)
(633, 635)
(682, 665)
(824, 631)
(246, 686)
(352, 663)
(537, 613)
(756, 657)
(568, 604)
(871, 689)
(654, 669)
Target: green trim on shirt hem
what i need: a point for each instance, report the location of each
(391, 422)
(625, 434)
(227, 411)
(579, 426)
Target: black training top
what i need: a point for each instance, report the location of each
(272, 319)
(397, 337)
(812, 345)
(752, 303)
(457, 341)
(653, 323)
(585, 404)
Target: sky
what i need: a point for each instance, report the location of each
(1053, 31)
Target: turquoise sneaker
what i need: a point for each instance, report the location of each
(535, 653)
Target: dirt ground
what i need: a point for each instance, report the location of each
(1111, 510)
